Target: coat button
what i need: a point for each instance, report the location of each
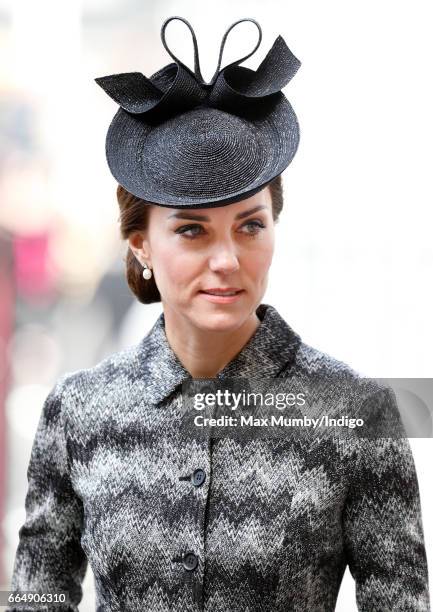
(190, 561)
(198, 477)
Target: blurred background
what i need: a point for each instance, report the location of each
(354, 242)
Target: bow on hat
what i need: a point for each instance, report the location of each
(175, 88)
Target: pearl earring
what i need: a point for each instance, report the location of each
(147, 272)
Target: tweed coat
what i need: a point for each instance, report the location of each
(262, 525)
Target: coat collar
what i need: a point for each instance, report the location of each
(270, 350)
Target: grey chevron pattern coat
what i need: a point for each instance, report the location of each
(262, 525)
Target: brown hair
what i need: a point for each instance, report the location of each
(134, 217)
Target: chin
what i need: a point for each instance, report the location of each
(221, 319)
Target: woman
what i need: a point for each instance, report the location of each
(173, 521)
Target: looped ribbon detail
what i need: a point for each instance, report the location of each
(175, 88)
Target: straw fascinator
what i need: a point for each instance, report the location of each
(179, 141)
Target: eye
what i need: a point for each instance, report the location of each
(255, 226)
(189, 228)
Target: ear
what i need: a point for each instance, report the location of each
(139, 245)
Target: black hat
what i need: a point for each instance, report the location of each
(179, 141)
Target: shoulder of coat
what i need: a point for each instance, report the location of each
(88, 382)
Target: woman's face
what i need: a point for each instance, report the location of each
(194, 251)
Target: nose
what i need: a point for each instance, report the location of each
(224, 258)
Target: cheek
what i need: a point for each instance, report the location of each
(176, 266)
(258, 260)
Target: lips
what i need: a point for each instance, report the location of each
(222, 291)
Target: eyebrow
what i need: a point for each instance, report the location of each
(195, 217)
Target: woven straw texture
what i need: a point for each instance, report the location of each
(179, 141)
